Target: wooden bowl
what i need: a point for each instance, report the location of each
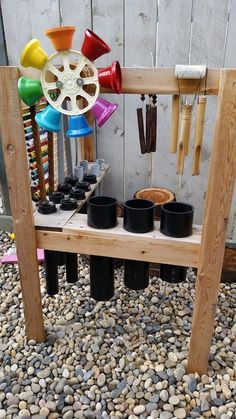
(159, 196)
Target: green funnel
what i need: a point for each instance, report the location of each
(30, 91)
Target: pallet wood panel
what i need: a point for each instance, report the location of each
(78, 237)
(13, 140)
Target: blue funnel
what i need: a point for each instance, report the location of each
(50, 119)
(78, 126)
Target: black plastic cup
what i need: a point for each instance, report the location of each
(139, 215)
(83, 185)
(101, 278)
(68, 204)
(46, 207)
(64, 187)
(71, 267)
(102, 212)
(176, 221)
(77, 193)
(90, 178)
(71, 179)
(51, 273)
(136, 274)
(56, 197)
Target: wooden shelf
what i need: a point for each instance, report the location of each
(78, 237)
(57, 220)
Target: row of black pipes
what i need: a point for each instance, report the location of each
(176, 221)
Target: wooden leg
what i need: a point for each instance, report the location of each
(219, 196)
(14, 149)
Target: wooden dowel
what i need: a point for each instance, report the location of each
(186, 126)
(38, 153)
(51, 161)
(174, 124)
(141, 130)
(199, 134)
(148, 127)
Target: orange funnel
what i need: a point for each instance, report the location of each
(61, 37)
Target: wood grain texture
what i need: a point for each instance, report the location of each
(78, 237)
(108, 23)
(219, 195)
(13, 140)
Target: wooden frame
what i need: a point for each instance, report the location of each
(206, 253)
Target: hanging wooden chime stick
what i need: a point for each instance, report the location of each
(201, 106)
(153, 128)
(184, 136)
(174, 124)
(141, 127)
(148, 126)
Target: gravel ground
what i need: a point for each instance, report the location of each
(125, 358)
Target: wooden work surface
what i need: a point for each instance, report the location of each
(78, 237)
(57, 220)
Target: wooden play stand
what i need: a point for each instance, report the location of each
(204, 249)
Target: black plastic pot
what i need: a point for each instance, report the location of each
(102, 212)
(90, 178)
(51, 273)
(77, 193)
(46, 207)
(176, 221)
(101, 278)
(139, 215)
(56, 197)
(64, 187)
(71, 267)
(68, 204)
(136, 274)
(71, 179)
(83, 185)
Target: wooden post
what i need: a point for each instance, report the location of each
(219, 196)
(13, 140)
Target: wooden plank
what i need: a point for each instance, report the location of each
(58, 219)
(172, 48)
(78, 237)
(140, 44)
(13, 140)
(208, 29)
(219, 195)
(108, 23)
(31, 19)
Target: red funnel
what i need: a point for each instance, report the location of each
(93, 47)
(110, 77)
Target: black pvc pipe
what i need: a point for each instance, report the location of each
(101, 278)
(136, 274)
(176, 221)
(102, 212)
(71, 267)
(139, 215)
(51, 273)
(61, 258)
